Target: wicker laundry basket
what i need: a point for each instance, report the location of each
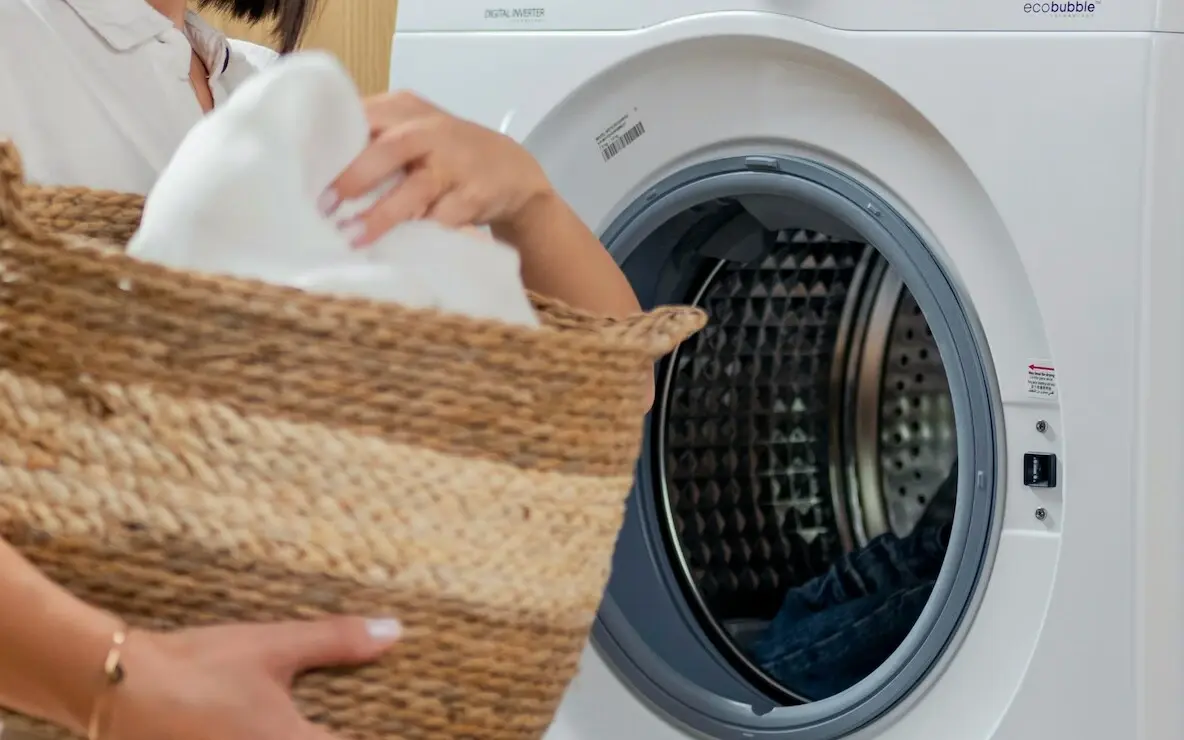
(185, 449)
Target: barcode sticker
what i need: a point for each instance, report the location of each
(620, 134)
(614, 147)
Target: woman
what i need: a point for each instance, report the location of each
(99, 93)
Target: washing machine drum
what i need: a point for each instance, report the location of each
(802, 437)
(756, 409)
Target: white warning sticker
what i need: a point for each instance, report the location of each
(1042, 380)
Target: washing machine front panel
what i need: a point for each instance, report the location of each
(1033, 220)
(856, 15)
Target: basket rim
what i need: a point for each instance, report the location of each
(654, 332)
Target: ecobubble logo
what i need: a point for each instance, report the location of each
(1074, 9)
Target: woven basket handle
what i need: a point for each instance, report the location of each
(659, 331)
(655, 332)
(12, 179)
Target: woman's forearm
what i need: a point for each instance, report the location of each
(52, 645)
(561, 258)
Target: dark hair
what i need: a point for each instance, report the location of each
(290, 17)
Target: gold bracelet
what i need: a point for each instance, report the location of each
(113, 675)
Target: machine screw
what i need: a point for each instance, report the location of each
(1041, 514)
(1042, 426)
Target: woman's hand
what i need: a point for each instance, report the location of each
(455, 172)
(213, 683)
(232, 682)
(462, 174)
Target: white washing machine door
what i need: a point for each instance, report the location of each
(840, 378)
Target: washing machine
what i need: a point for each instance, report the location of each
(937, 241)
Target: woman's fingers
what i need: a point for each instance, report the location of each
(382, 111)
(293, 647)
(409, 200)
(392, 151)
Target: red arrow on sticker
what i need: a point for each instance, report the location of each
(1040, 367)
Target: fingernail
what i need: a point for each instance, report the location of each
(328, 201)
(353, 230)
(384, 630)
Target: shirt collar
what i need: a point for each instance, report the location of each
(211, 45)
(125, 24)
(121, 23)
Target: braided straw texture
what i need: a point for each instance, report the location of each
(185, 449)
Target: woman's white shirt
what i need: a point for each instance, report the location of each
(97, 93)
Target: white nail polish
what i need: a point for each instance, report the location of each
(352, 230)
(328, 201)
(384, 630)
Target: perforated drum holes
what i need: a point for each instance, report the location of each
(918, 444)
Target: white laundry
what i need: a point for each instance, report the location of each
(240, 198)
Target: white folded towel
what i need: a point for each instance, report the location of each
(240, 198)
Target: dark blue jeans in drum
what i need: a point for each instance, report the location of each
(833, 631)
